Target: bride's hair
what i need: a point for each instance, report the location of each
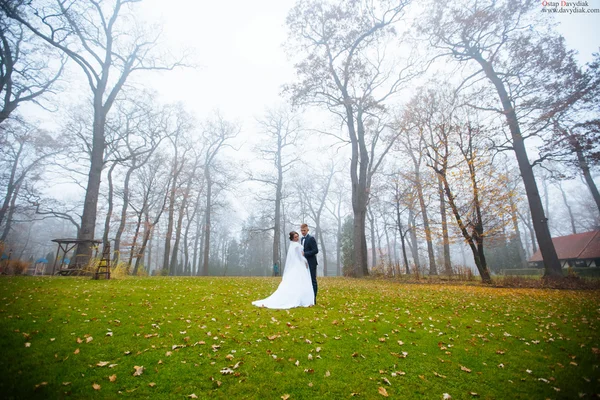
(292, 234)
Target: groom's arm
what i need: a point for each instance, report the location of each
(312, 248)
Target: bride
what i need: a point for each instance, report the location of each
(295, 289)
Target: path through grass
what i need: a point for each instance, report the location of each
(79, 338)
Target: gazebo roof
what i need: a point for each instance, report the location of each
(581, 246)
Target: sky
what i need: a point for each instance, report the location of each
(238, 46)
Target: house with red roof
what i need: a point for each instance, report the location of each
(578, 250)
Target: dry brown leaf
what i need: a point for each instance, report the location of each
(96, 386)
(76, 351)
(66, 383)
(102, 364)
(193, 396)
(138, 370)
(89, 339)
(285, 397)
(463, 368)
(79, 340)
(152, 384)
(112, 378)
(40, 385)
(383, 392)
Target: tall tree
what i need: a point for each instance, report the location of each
(497, 38)
(108, 47)
(217, 136)
(281, 129)
(26, 149)
(344, 71)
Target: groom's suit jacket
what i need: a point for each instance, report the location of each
(310, 251)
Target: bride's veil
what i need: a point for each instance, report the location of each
(294, 258)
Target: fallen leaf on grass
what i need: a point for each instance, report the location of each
(112, 378)
(27, 344)
(89, 339)
(96, 386)
(39, 385)
(66, 383)
(76, 351)
(226, 371)
(285, 396)
(474, 394)
(327, 374)
(152, 384)
(102, 364)
(138, 370)
(193, 396)
(446, 396)
(386, 380)
(463, 368)
(383, 392)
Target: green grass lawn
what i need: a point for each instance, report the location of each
(79, 338)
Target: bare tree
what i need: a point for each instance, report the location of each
(217, 134)
(104, 41)
(26, 150)
(344, 72)
(281, 129)
(521, 64)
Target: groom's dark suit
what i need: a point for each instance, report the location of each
(310, 252)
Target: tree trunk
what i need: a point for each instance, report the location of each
(109, 200)
(277, 218)
(475, 241)
(515, 221)
(585, 170)
(132, 251)
(11, 211)
(207, 226)
(178, 228)
(430, 253)
(12, 183)
(414, 248)
(90, 205)
(169, 233)
(540, 222)
(372, 229)
(123, 221)
(445, 239)
(571, 218)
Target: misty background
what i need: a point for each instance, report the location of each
(221, 132)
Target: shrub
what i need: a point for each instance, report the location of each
(17, 266)
(522, 271)
(583, 271)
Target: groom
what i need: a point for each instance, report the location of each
(310, 252)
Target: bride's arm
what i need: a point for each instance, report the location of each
(301, 255)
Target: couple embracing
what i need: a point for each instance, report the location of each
(298, 287)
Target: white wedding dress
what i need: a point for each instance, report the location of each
(295, 289)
